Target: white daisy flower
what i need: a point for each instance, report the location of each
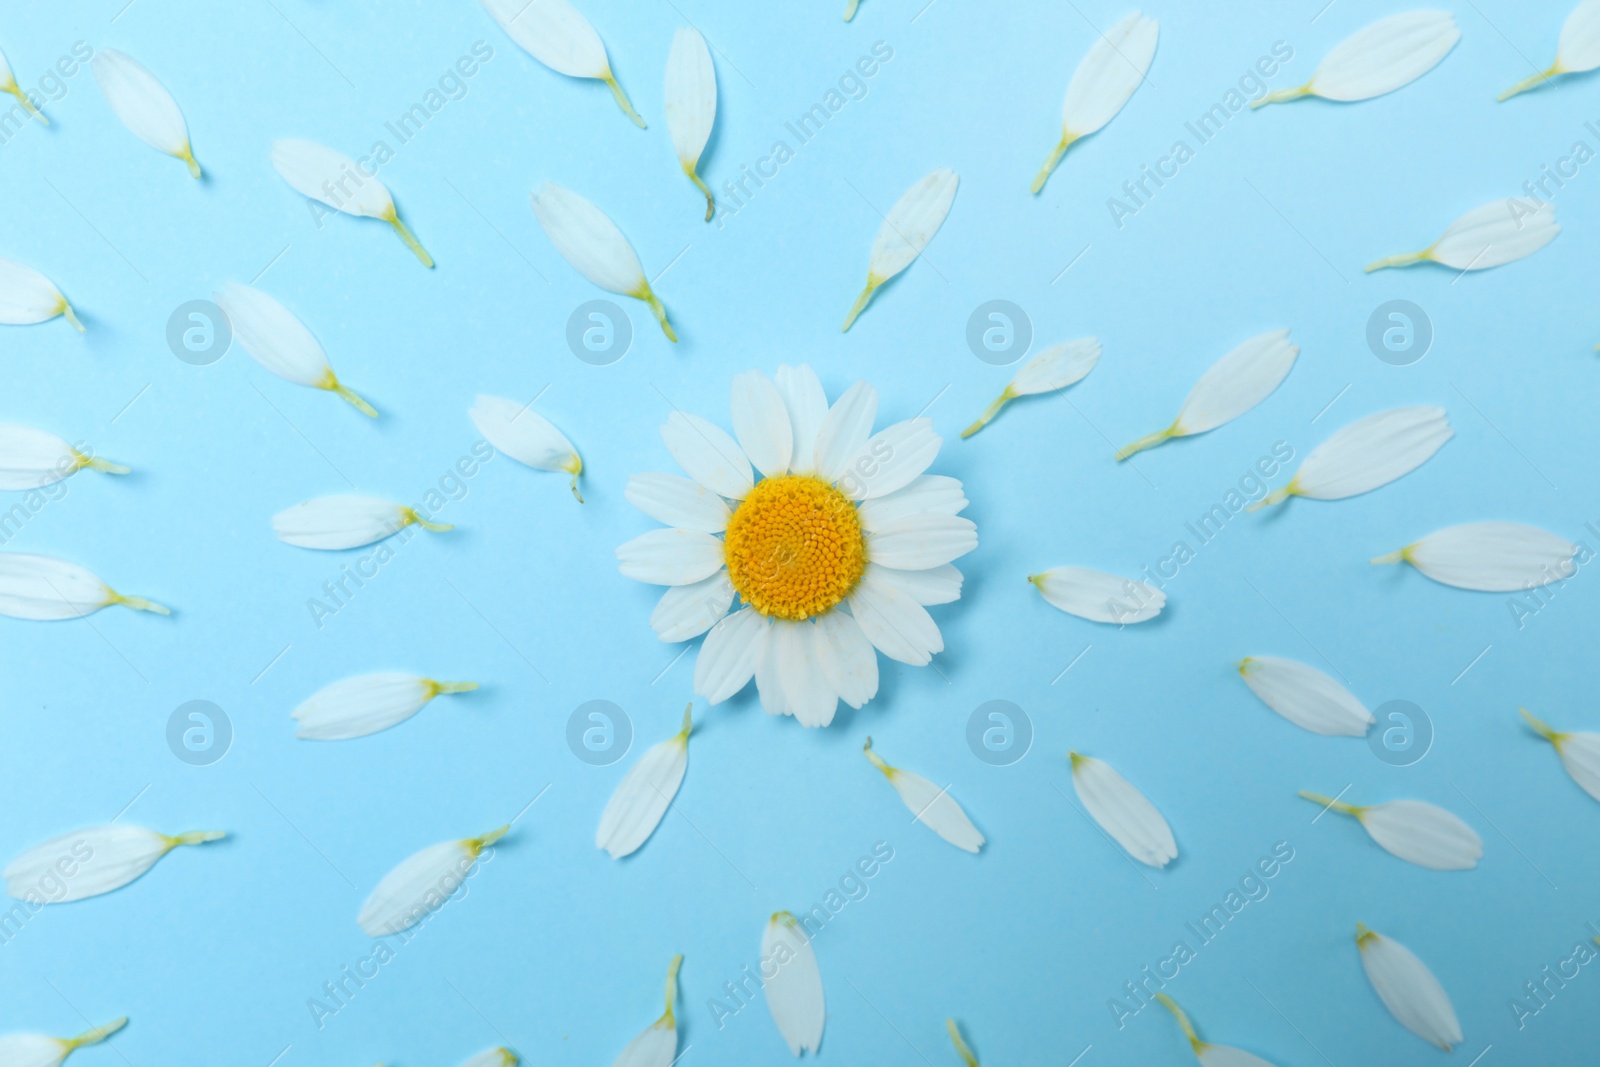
(833, 539)
(657, 1044)
(1579, 752)
(42, 1050)
(1417, 832)
(1408, 989)
(1208, 1054)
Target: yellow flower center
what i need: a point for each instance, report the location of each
(794, 547)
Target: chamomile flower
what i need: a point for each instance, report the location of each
(832, 538)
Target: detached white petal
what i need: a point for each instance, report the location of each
(1232, 386)
(1493, 557)
(421, 884)
(557, 35)
(1052, 369)
(932, 806)
(1499, 232)
(657, 1045)
(1381, 58)
(1578, 51)
(281, 343)
(1123, 812)
(1408, 989)
(356, 707)
(27, 297)
(588, 239)
(794, 994)
(144, 105)
(691, 102)
(526, 436)
(906, 231)
(644, 794)
(1105, 79)
(1417, 832)
(333, 178)
(1366, 455)
(495, 1057)
(46, 589)
(1098, 596)
(1208, 1054)
(42, 1050)
(1579, 752)
(346, 520)
(1305, 696)
(31, 459)
(100, 859)
(8, 84)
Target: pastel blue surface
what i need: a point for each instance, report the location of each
(556, 949)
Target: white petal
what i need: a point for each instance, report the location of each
(730, 654)
(1494, 557)
(356, 707)
(554, 33)
(26, 296)
(932, 806)
(677, 501)
(1423, 834)
(421, 884)
(1580, 39)
(1057, 367)
(911, 224)
(807, 693)
(345, 520)
(1108, 75)
(761, 422)
(100, 859)
(280, 342)
(1390, 53)
(690, 95)
(1499, 232)
(45, 589)
(844, 430)
(896, 624)
(921, 542)
(656, 1046)
(848, 659)
(588, 239)
(144, 105)
(1370, 453)
(331, 178)
(794, 993)
(931, 494)
(890, 460)
(42, 1050)
(524, 435)
(670, 557)
(1225, 1056)
(1408, 989)
(642, 797)
(807, 405)
(1579, 752)
(1123, 812)
(936, 585)
(32, 459)
(1238, 382)
(1305, 696)
(687, 611)
(1097, 596)
(1230, 387)
(708, 455)
(494, 1057)
(769, 681)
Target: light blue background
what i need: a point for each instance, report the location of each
(560, 951)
